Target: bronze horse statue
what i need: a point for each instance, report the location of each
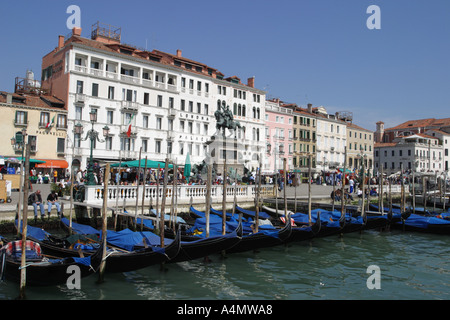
(225, 120)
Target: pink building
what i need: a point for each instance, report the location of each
(279, 136)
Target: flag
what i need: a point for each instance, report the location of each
(50, 124)
(129, 126)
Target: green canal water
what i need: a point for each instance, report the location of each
(412, 266)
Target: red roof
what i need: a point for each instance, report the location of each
(421, 123)
(40, 101)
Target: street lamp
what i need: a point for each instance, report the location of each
(92, 135)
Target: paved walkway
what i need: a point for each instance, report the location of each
(318, 192)
(8, 209)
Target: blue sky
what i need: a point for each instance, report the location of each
(302, 51)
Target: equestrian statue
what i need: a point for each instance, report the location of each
(225, 120)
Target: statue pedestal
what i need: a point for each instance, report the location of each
(221, 148)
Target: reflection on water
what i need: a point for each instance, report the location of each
(413, 266)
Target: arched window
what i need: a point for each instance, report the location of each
(257, 134)
(254, 112)
(244, 110)
(218, 104)
(258, 114)
(239, 110)
(235, 109)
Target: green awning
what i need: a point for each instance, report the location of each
(31, 160)
(135, 164)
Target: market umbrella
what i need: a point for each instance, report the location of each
(135, 164)
(187, 167)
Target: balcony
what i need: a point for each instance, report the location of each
(148, 83)
(172, 112)
(130, 105)
(111, 75)
(129, 154)
(81, 98)
(97, 72)
(160, 85)
(172, 88)
(171, 135)
(129, 79)
(124, 129)
(81, 69)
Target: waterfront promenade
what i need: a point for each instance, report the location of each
(319, 193)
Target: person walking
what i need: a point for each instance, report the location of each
(352, 185)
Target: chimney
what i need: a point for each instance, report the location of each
(76, 31)
(251, 82)
(179, 53)
(60, 42)
(309, 107)
(379, 133)
(9, 98)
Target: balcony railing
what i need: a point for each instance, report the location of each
(81, 69)
(79, 97)
(97, 72)
(130, 105)
(124, 129)
(127, 79)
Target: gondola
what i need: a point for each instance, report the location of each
(328, 225)
(426, 224)
(304, 232)
(42, 270)
(187, 250)
(123, 254)
(376, 220)
(264, 238)
(204, 247)
(252, 214)
(299, 232)
(267, 235)
(394, 216)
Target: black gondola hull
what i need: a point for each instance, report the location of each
(43, 273)
(191, 250)
(46, 274)
(121, 261)
(261, 240)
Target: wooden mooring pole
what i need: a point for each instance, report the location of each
(104, 223)
(23, 270)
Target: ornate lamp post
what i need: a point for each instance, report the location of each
(18, 141)
(92, 135)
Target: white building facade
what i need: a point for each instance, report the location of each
(444, 140)
(331, 135)
(168, 100)
(417, 152)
